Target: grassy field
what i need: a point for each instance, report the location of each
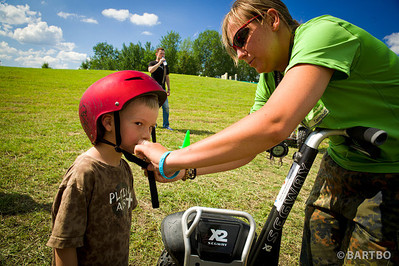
(40, 136)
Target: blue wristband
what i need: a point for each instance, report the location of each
(162, 162)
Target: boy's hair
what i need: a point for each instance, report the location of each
(243, 10)
(150, 100)
(159, 49)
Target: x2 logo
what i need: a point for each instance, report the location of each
(218, 238)
(218, 235)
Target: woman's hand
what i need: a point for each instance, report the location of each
(161, 179)
(153, 152)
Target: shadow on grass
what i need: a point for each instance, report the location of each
(15, 203)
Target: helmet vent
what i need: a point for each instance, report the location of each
(134, 78)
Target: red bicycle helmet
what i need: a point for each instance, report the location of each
(110, 93)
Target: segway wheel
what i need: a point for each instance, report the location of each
(302, 134)
(165, 259)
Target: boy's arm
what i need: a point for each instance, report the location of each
(65, 256)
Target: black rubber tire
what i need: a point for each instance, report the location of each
(165, 259)
(301, 136)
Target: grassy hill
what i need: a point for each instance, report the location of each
(40, 136)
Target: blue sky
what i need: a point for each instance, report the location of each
(63, 32)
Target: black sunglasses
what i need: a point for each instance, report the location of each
(241, 36)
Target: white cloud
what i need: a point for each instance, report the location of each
(56, 59)
(17, 15)
(6, 30)
(66, 46)
(393, 42)
(6, 52)
(146, 33)
(65, 15)
(36, 31)
(121, 14)
(39, 33)
(71, 56)
(20, 23)
(145, 20)
(90, 20)
(82, 18)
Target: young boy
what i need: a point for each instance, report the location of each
(92, 210)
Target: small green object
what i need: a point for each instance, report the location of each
(186, 141)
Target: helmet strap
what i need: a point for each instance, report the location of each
(130, 157)
(118, 137)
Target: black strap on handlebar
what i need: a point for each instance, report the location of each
(371, 135)
(366, 140)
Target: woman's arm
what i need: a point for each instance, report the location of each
(297, 93)
(66, 256)
(207, 170)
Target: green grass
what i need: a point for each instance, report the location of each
(41, 136)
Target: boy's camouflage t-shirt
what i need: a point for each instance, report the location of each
(92, 212)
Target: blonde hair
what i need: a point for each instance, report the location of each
(243, 10)
(148, 99)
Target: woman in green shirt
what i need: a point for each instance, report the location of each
(352, 79)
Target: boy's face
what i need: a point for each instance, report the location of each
(136, 123)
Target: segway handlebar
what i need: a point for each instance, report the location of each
(267, 247)
(370, 135)
(189, 229)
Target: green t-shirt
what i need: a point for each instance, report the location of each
(364, 89)
(266, 87)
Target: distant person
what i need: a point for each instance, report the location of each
(353, 207)
(92, 210)
(159, 70)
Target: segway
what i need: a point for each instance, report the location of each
(203, 236)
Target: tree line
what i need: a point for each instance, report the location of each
(203, 56)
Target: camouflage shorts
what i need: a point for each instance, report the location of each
(351, 218)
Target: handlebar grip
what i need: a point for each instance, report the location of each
(371, 135)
